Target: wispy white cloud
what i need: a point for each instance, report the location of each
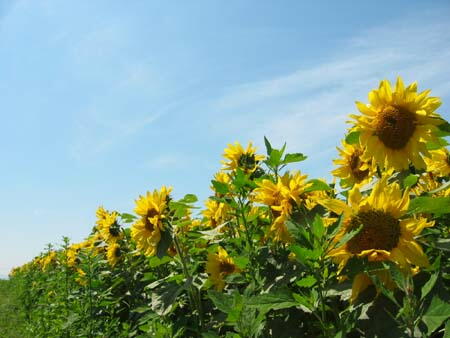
(308, 107)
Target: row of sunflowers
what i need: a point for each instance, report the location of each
(273, 253)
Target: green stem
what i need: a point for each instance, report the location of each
(194, 294)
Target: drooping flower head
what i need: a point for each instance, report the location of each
(146, 231)
(397, 124)
(352, 168)
(218, 266)
(237, 157)
(386, 234)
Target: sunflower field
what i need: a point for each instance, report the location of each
(273, 252)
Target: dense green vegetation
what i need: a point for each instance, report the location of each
(12, 319)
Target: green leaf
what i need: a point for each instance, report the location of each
(318, 185)
(189, 198)
(447, 329)
(437, 312)
(274, 159)
(318, 229)
(429, 285)
(222, 301)
(444, 129)
(241, 261)
(352, 137)
(410, 180)
(306, 282)
(303, 301)
(268, 146)
(276, 300)
(220, 187)
(432, 205)
(127, 218)
(292, 158)
(443, 244)
(437, 144)
(303, 254)
(163, 298)
(164, 243)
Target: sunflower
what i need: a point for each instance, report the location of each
(101, 214)
(396, 125)
(237, 157)
(218, 266)
(426, 183)
(109, 228)
(289, 190)
(146, 231)
(439, 163)
(48, 259)
(385, 234)
(114, 253)
(216, 213)
(352, 168)
(72, 254)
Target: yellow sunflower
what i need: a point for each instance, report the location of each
(281, 198)
(146, 231)
(216, 213)
(109, 228)
(101, 214)
(397, 124)
(352, 168)
(72, 254)
(427, 182)
(114, 253)
(218, 266)
(439, 163)
(49, 259)
(385, 234)
(237, 157)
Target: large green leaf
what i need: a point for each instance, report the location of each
(431, 205)
(437, 313)
(275, 300)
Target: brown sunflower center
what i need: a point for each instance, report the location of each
(226, 267)
(355, 164)
(117, 252)
(395, 126)
(150, 213)
(380, 231)
(247, 161)
(114, 229)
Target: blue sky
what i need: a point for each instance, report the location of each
(101, 101)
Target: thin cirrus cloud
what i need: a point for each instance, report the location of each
(314, 103)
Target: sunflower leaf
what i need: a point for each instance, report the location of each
(220, 187)
(353, 137)
(437, 313)
(318, 185)
(429, 285)
(410, 180)
(292, 158)
(268, 146)
(432, 205)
